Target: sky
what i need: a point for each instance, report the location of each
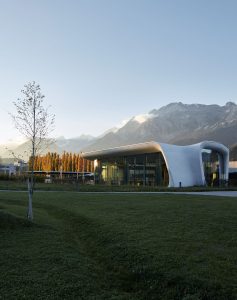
(100, 62)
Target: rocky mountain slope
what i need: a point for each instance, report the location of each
(177, 123)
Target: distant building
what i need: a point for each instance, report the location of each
(8, 169)
(12, 166)
(159, 164)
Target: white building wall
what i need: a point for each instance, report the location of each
(184, 163)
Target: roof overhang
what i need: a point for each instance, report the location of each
(148, 147)
(184, 163)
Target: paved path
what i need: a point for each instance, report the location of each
(211, 193)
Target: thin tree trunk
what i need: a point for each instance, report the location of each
(34, 122)
(30, 194)
(31, 187)
(31, 180)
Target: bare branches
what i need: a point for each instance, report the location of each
(35, 123)
(31, 119)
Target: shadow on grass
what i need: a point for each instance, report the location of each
(90, 249)
(10, 221)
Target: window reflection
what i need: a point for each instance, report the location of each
(211, 166)
(143, 169)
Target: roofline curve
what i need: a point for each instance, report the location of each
(184, 163)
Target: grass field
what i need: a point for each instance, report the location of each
(78, 187)
(104, 246)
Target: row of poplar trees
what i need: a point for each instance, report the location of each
(67, 162)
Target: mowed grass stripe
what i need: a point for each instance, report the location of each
(119, 247)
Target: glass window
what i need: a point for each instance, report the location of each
(210, 160)
(142, 169)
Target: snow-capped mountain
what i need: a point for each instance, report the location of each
(175, 123)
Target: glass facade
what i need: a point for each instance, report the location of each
(142, 169)
(210, 160)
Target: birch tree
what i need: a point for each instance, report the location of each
(34, 122)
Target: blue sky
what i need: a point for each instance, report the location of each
(102, 61)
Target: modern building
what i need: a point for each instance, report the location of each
(233, 173)
(159, 164)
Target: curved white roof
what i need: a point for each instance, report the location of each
(184, 163)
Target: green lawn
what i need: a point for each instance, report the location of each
(21, 185)
(118, 246)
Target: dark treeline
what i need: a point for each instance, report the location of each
(67, 162)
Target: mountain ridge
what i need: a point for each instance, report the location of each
(175, 123)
